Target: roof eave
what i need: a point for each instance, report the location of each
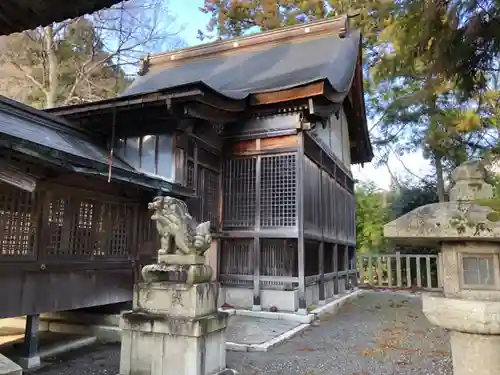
(19, 15)
(91, 167)
(196, 91)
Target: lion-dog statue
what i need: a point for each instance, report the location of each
(179, 232)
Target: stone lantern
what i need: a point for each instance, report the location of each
(467, 229)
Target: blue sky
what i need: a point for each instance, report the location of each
(189, 18)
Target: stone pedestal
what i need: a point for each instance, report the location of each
(468, 230)
(174, 329)
(474, 332)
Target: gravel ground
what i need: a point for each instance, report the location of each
(250, 330)
(378, 334)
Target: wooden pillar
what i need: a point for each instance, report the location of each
(30, 358)
(256, 306)
(321, 248)
(256, 275)
(321, 268)
(300, 224)
(218, 249)
(346, 266)
(336, 269)
(355, 262)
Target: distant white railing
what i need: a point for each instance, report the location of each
(400, 271)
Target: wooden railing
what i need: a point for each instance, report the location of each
(400, 271)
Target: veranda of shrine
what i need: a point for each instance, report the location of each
(255, 133)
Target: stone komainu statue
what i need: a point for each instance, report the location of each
(179, 232)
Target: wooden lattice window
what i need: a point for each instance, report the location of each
(82, 229)
(210, 197)
(236, 258)
(278, 188)
(88, 229)
(239, 193)
(121, 230)
(17, 223)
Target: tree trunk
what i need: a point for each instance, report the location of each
(439, 175)
(53, 77)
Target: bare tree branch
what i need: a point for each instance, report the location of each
(30, 77)
(89, 57)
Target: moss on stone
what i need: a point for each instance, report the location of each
(493, 216)
(494, 203)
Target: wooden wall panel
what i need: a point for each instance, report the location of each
(255, 146)
(287, 141)
(25, 293)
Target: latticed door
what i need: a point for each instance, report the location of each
(18, 223)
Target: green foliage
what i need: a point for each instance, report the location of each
(457, 39)
(375, 208)
(371, 215)
(231, 18)
(407, 198)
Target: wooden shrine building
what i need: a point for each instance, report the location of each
(68, 238)
(259, 132)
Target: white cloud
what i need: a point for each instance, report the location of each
(410, 166)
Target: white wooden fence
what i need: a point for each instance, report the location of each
(400, 271)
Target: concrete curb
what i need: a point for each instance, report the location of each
(268, 345)
(303, 319)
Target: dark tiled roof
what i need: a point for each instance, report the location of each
(20, 15)
(270, 68)
(51, 138)
(28, 124)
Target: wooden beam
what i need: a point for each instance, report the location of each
(321, 266)
(299, 198)
(214, 99)
(243, 147)
(205, 112)
(257, 303)
(30, 357)
(306, 91)
(276, 143)
(336, 269)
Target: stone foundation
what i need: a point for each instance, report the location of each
(475, 354)
(174, 329)
(284, 300)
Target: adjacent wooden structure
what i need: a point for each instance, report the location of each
(68, 237)
(262, 134)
